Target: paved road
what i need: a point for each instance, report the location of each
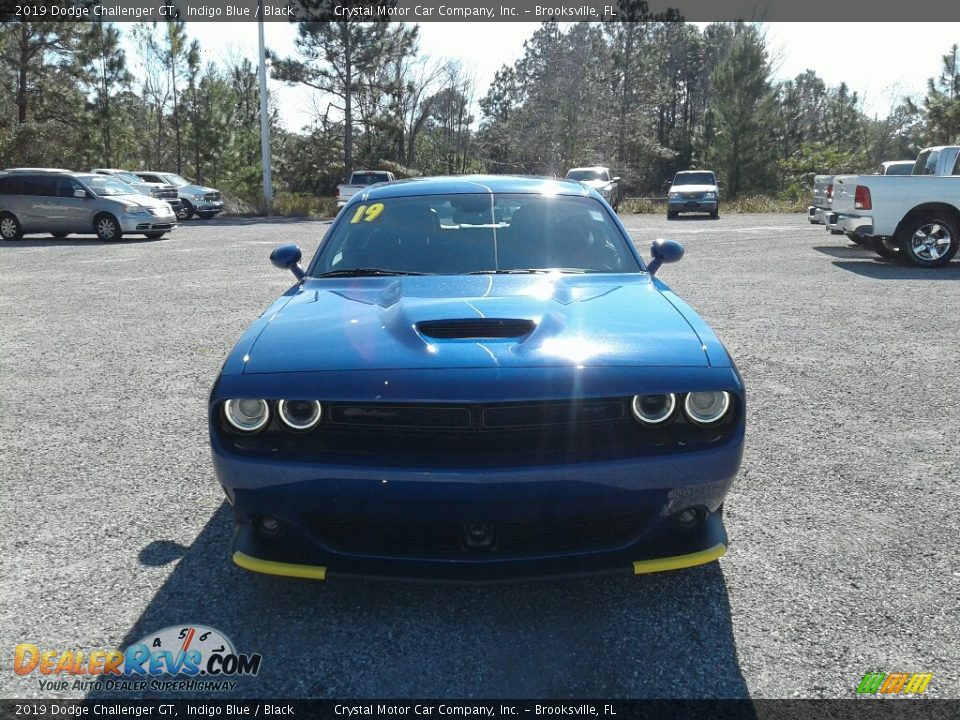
(843, 521)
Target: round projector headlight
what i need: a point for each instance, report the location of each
(247, 415)
(706, 408)
(299, 414)
(653, 409)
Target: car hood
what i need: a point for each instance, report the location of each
(140, 201)
(693, 188)
(197, 189)
(435, 322)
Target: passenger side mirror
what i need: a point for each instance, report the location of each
(287, 257)
(617, 179)
(80, 194)
(663, 251)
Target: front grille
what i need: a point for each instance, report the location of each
(401, 416)
(448, 541)
(691, 195)
(212, 196)
(165, 194)
(475, 328)
(558, 413)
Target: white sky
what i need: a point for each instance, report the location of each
(877, 60)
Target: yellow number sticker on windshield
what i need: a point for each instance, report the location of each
(367, 214)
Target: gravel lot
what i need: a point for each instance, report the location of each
(843, 521)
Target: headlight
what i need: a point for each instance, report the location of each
(674, 196)
(709, 196)
(247, 415)
(299, 414)
(653, 409)
(135, 210)
(706, 408)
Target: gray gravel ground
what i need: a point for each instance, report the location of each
(843, 521)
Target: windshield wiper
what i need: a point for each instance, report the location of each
(527, 271)
(362, 272)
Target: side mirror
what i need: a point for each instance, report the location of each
(617, 179)
(663, 251)
(287, 257)
(80, 194)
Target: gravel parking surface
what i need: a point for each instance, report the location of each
(843, 521)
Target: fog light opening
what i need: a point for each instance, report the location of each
(691, 517)
(268, 526)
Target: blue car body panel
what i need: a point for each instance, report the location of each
(590, 491)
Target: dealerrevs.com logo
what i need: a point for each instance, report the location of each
(898, 683)
(191, 657)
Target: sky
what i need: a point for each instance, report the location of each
(877, 60)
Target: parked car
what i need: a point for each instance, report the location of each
(822, 197)
(913, 218)
(940, 160)
(600, 179)
(896, 167)
(359, 180)
(477, 378)
(203, 201)
(61, 203)
(693, 191)
(161, 191)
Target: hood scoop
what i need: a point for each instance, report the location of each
(475, 328)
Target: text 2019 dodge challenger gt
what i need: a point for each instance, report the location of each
(477, 378)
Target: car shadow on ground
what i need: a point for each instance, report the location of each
(76, 240)
(686, 218)
(663, 635)
(848, 251)
(243, 221)
(886, 270)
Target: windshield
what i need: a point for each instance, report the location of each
(475, 233)
(926, 163)
(583, 175)
(128, 178)
(695, 178)
(105, 185)
(175, 179)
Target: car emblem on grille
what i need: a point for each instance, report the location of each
(478, 536)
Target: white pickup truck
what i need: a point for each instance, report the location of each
(915, 217)
(359, 180)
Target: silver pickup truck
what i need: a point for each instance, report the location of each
(359, 180)
(822, 197)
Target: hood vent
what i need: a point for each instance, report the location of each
(475, 328)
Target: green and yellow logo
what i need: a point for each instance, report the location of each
(894, 683)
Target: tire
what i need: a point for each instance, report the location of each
(154, 235)
(715, 214)
(671, 215)
(10, 228)
(836, 232)
(858, 239)
(107, 228)
(206, 215)
(185, 212)
(59, 235)
(930, 239)
(885, 248)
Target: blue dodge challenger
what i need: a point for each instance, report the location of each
(477, 378)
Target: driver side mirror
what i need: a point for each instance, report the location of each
(78, 193)
(663, 251)
(617, 179)
(287, 257)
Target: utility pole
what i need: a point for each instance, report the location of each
(264, 121)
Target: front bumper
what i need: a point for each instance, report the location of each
(148, 223)
(679, 206)
(855, 224)
(416, 524)
(207, 206)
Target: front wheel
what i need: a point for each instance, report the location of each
(10, 227)
(715, 214)
(930, 240)
(671, 215)
(107, 228)
(886, 248)
(185, 212)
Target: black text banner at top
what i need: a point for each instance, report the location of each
(862, 12)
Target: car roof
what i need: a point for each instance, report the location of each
(464, 184)
(592, 167)
(888, 163)
(691, 172)
(30, 169)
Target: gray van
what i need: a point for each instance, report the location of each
(61, 203)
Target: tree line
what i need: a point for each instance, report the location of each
(647, 98)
